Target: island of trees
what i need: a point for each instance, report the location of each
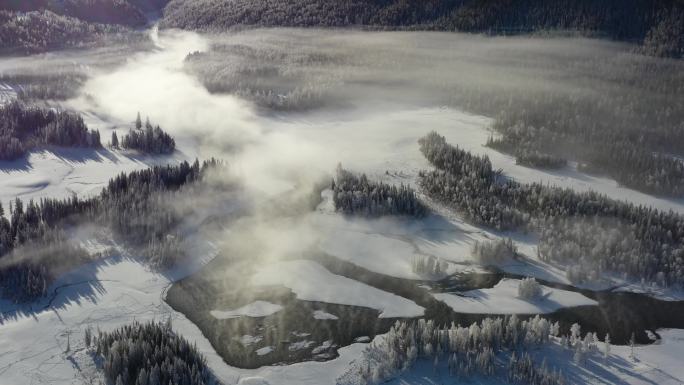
(151, 140)
(357, 195)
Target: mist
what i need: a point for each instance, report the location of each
(284, 107)
(281, 104)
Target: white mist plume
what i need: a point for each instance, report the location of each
(155, 85)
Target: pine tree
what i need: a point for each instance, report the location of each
(575, 333)
(606, 349)
(138, 122)
(577, 357)
(115, 140)
(88, 336)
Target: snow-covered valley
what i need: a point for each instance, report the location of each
(273, 155)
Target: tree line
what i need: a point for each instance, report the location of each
(526, 155)
(478, 349)
(23, 128)
(138, 207)
(651, 242)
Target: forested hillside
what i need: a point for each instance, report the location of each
(124, 12)
(40, 31)
(625, 20)
(33, 26)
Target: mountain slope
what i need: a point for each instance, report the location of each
(124, 12)
(619, 19)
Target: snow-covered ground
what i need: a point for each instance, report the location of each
(312, 282)
(656, 364)
(665, 294)
(383, 143)
(390, 246)
(320, 314)
(503, 299)
(59, 172)
(7, 93)
(247, 339)
(62, 172)
(254, 309)
(116, 291)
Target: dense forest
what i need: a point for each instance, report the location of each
(149, 354)
(34, 26)
(497, 347)
(41, 31)
(626, 20)
(357, 195)
(34, 240)
(23, 128)
(124, 12)
(640, 243)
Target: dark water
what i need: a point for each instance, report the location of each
(619, 314)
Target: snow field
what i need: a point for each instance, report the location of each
(503, 299)
(312, 282)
